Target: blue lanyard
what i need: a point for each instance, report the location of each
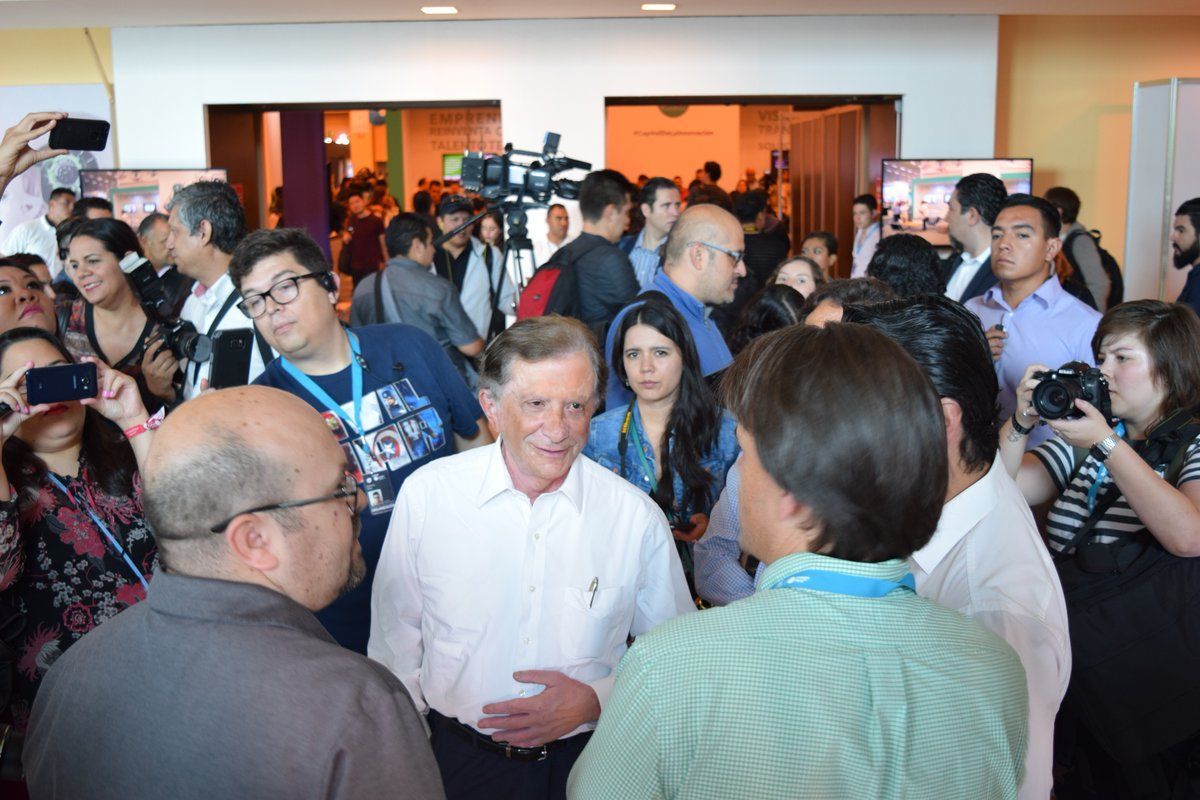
(1102, 472)
(103, 528)
(821, 580)
(356, 386)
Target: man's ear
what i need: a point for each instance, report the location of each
(252, 539)
(337, 287)
(205, 232)
(491, 408)
(1053, 246)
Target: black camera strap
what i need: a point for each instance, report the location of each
(264, 349)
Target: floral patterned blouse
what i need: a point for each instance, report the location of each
(58, 569)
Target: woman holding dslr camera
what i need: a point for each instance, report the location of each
(1124, 529)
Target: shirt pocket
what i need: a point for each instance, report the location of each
(590, 625)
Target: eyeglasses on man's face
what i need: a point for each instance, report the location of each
(283, 292)
(347, 488)
(736, 255)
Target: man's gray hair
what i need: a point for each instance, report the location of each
(217, 202)
(538, 339)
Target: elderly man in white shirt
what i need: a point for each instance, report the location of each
(513, 575)
(986, 558)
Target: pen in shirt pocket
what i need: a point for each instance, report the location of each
(592, 587)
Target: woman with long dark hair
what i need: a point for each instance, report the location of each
(74, 546)
(107, 320)
(673, 440)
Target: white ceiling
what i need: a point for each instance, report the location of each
(140, 13)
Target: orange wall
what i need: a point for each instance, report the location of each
(431, 132)
(1064, 95)
(644, 140)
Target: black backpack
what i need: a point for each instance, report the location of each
(1134, 612)
(1116, 294)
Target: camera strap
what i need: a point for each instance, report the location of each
(212, 328)
(112, 540)
(322, 396)
(630, 431)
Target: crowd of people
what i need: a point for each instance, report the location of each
(680, 514)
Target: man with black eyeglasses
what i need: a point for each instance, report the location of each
(222, 683)
(703, 263)
(388, 393)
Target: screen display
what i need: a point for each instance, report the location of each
(452, 166)
(916, 193)
(137, 193)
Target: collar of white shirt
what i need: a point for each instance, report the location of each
(216, 294)
(967, 258)
(959, 517)
(497, 480)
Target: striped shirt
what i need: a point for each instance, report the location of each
(1070, 510)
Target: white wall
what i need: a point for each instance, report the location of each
(555, 74)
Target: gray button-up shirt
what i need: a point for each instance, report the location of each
(218, 689)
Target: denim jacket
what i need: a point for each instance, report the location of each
(603, 448)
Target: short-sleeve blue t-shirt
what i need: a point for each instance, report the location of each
(413, 401)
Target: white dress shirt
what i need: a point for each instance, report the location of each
(475, 295)
(201, 310)
(965, 272)
(475, 582)
(987, 561)
(37, 237)
(865, 242)
(543, 248)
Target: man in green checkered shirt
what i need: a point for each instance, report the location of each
(834, 680)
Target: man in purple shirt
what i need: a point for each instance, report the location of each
(1027, 316)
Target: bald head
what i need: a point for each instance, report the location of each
(706, 223)
(225, 452)
(698, 258)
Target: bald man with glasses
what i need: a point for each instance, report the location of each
(223, 683)
(703, 262)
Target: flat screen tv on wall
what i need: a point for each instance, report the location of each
(137, 193)
(916, 192)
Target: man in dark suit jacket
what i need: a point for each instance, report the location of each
(974, 205)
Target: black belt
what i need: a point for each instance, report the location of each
(482, 742)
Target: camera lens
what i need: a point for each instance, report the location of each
(1053, 399)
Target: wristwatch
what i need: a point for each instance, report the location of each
(1102, 449)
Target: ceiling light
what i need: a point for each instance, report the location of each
(439, 10)
(342, 139)
(328, 140)
(658, 6)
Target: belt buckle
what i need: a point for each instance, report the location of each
(545, 752)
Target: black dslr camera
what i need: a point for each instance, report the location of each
(179, 336)
(1055, 396)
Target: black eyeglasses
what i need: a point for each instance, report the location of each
(349, 488)
(736, 255)
(284, 292)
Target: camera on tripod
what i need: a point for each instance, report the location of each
(179, 336)
(499, 177)
(1055, 396)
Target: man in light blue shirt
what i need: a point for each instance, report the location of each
(1028, 317)
(703, 262)
(659, 200)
